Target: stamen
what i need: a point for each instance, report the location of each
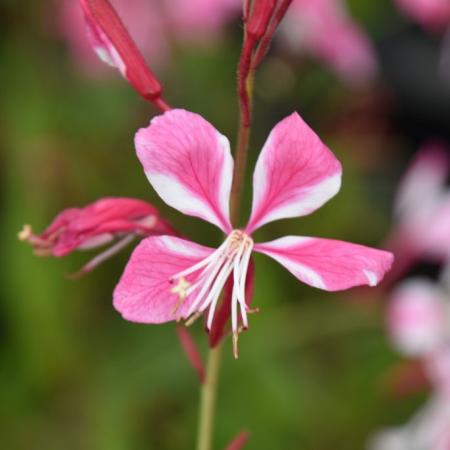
(235, 338)
(214, 295)
(206, 285)
(208, 278)
(203, 262)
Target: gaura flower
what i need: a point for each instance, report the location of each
(325, 29)
(100, 223)
(189, 164)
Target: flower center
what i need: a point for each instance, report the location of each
(205, 280)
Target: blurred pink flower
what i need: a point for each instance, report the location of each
(422, 211)
(324, 29)
(189, 164)
(97, 224)
(417, 317)
(427, 430)
(431, 14)
(419, 324)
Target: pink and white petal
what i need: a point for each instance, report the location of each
(328, 264)
(416, 317)
(143, 293)
(295, 174)
(189, 164)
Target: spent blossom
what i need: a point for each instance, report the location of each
(116, 221)
(189, 164)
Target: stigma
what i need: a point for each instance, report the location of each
(203, 283)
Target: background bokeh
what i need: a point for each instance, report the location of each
(313, 366)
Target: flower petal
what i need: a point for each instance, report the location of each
(328, 264)
(295, 174)
(189, 164)
(415, 317)
(144, 291)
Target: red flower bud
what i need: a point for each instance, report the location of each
(114, 45)
(259, 16)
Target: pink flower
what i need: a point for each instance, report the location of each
(422, 211)
(324, 29)
(431, 14)
(95, 225)
(189, 164)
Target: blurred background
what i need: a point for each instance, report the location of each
(314, 367)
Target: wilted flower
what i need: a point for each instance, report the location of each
(95, 225)
(189, 164)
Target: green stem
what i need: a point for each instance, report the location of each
(208, 399)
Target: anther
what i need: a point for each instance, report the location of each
(181, 290)
(25, 233)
